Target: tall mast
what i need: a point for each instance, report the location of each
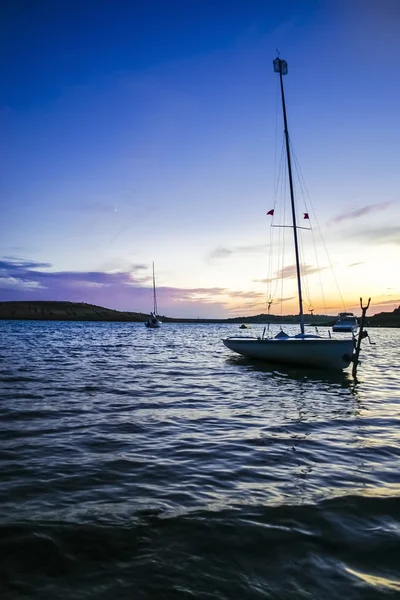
(154, 293)
(280, 66)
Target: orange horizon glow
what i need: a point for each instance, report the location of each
(291, 308)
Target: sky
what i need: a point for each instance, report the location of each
(141, 131)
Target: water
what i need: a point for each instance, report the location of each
(155, 464)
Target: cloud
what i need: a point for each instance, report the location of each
(384, 306)
(279, 300)
(192, 295)
(22, 275)
(12, 283)
(254, 306)
(95, 206)
(290, 272)
(361, 212)
(138, 267)
(222, 252)
(393, 301)
(249, 295)
(126, 289)
(11, 262)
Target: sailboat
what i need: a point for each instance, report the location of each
(153, 321)
(301, 349)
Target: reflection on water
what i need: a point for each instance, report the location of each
(150, 464)
(377, 582)
(298, 373)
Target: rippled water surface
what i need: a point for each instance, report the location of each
(141, 464)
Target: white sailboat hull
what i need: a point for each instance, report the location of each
(324, 353)
(153, 324)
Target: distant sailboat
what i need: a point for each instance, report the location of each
(153, 321)
(300, 349)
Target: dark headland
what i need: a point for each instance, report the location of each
(80, 311)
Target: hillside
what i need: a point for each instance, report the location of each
(64, 311)
(385, 319)
(315, 320)
(80, 311)
(48, 310)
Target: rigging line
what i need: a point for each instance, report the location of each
(304, 271)
(282, 257)
(275, 262)
(269, 263)
(279, 255)
(269, 320)
(272, 239)
(303, 187)
(318, 228)
(320, 234)
(303, 259)
(304, 275)
(269, 272)
(306, 278)
(330, 263)
(276, 136)
(274, 192)
(304, 193)
(319, 270)
(280, 171)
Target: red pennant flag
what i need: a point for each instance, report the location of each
(270, 212)
(306, 216)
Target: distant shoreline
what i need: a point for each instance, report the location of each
(80, 311)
